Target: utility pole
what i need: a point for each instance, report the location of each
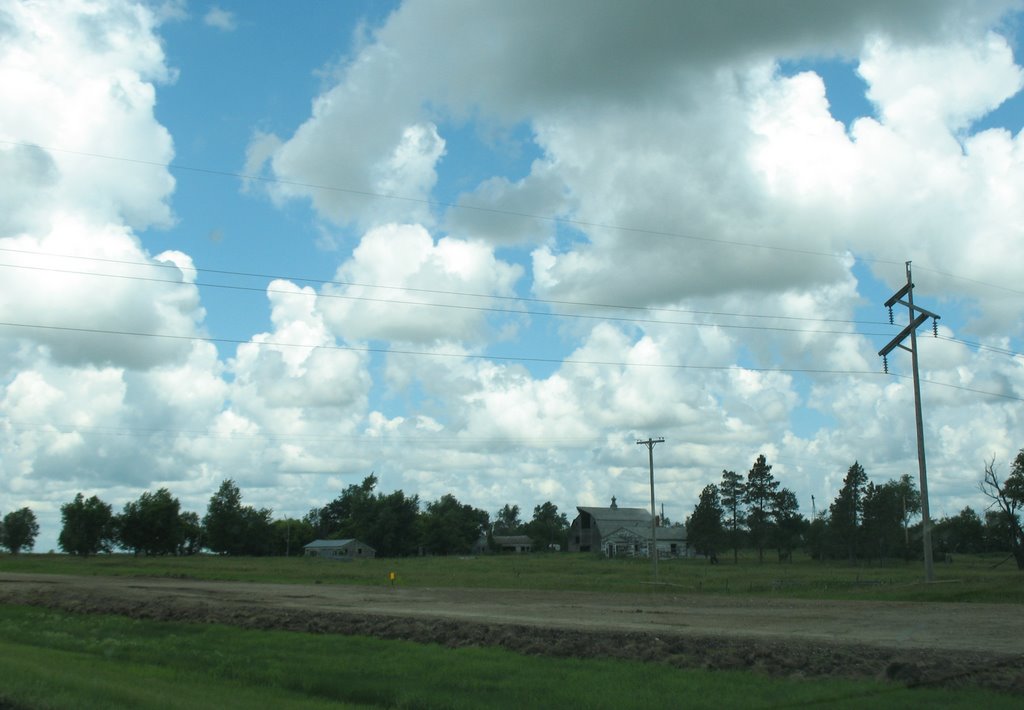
(917, 316)
(654, 529)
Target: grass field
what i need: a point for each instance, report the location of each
(967, 579)
(53, 659)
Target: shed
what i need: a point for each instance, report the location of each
(348, 549)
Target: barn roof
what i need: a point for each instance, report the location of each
(610, 519)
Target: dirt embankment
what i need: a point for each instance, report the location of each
(945, 645)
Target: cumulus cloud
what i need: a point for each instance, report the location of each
(402, 285)
(685, 187)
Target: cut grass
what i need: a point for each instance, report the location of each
(969, 578)
(61, 660)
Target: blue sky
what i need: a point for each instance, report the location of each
(489, 246)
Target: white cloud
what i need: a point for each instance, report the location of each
(399, 281)
(672, 121)
(220, 19)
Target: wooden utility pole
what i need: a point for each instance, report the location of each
(917, 316)
(649, 443)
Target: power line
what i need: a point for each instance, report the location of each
(491, 357)
(490, 309)
(494, 210)
(411, 289)
(424, 353)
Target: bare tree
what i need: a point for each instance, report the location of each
(1008, 498)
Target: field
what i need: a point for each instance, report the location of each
(795, 633)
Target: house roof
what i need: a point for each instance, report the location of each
(328, 544)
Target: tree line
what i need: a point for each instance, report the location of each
(393, 524)
(866, 521)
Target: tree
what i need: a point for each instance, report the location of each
(234, 529)
(19, 530)
(507, 521)
(963, 533)
(350, 514)
(759, 495)
(704, 526)
(152, 524)
(1008, 498)
(732, 491)
(87, 526)
(787, 523)
(548, 527)
(847, 511)
(388, 523)
(450, 527)
(191, 534)
(885, 516)
(393, 529)
(291, 535)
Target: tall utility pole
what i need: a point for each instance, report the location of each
(654, 521)
(917, 316)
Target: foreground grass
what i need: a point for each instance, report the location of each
(969, 578)
(59, 660)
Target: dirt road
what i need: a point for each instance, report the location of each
(944, 644)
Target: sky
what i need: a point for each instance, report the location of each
(484, 248)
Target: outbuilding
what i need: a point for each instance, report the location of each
(348, 549)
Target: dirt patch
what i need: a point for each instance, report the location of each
(937, 645)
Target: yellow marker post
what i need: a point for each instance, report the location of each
(391, 578)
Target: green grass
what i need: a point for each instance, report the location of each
(968, 578)
(61, 660)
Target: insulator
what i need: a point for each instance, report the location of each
(885, 364)
(935, 327)
(890, 315)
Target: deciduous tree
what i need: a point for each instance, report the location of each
(450, 527)
(87, 526)
(1008, 499)
(19, 530)
(234, 529)
(548, 527)
(507, 521)
(152, 524)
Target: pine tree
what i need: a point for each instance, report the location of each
(846, 514)
(732, 491)
(759, 496)
(704, 526)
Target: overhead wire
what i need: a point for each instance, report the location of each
(498, 357)
(566, 221)
(490, 309)
(411, 289)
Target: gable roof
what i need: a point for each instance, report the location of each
(610, 519)
(328, 544)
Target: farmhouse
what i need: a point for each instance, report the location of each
(618, 532)
(348, 549)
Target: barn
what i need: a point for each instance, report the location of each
(622, 532)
